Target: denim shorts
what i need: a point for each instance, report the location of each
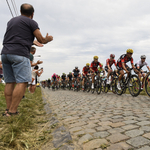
(16, 68)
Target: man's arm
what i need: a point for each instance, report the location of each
(37, 43)
(123, 66)
(133, 66)
(40, 38)
(1, 66)
(148, 68)
(34, 64)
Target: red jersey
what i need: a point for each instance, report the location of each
(94, 66)
(110, 63)
(86, 70)
(123, 59)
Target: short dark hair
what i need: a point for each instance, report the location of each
(32, 49)
(27, 9)
(36, 67)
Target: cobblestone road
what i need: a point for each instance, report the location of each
(104, 121)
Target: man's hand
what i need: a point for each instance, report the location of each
(127, 71)
(39, 62)
(37, 43)
(48, 38)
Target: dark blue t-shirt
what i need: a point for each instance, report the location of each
(19, 36)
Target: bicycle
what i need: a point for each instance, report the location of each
(76, 85)
(54, 86)
(112, 86)
(147, 84)
(48, 86)
(97, 84)
(63, 84)
(132, 83)
(103, 84)
(89, 83)
(69, 85)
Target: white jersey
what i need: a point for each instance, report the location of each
(34, 74)
(140, 64)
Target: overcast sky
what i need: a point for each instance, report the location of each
(84, 28)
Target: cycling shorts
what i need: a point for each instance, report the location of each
(106, 68)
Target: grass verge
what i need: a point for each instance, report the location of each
(26, 130)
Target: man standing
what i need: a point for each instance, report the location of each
(15, 54)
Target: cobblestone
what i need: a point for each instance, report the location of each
(138, 141)
(122, 121)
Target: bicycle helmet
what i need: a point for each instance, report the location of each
(87, 64)
(112, 55)
(95, 57)
(130, 51)
(143, 57)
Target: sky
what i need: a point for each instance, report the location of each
(82, 29)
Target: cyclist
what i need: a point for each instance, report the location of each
(85, 71)
(109, 63)
(100, 69)
(69, 76)
(76, 74)
(139, 66)
(94, 68)
(54, 77)
(63, 78)
(58, 80)
(121, 65)
(49, 82)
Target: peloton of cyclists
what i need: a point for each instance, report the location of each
(85, 71)
(121, 65)
(139, 66)
(109, 62)
(94, 68)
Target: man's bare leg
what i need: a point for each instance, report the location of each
(8, 93)
(17, 95)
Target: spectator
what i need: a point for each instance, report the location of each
(35, 72)
(32, 52)
(1, 71)
(19, 37)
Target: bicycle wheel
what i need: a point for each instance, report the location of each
(103, 86)
(147, 84)
(119, 92)
(134, 85)
(88, 86)
(106, 87)
(113, 85)
(98, 88)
